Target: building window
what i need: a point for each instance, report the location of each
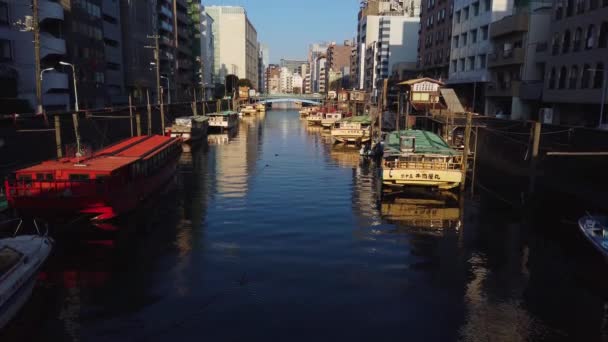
(454, 65)
(484, 32)
(482, 61)
(578, 36)
(559, 10)
(475, 9)
(6, 51)
(593, 4)
(573, 77)
(4, 13)
(598, 75)
(487, 5)
(465, 12)
(461, 62)
(590, 40)
(569, 8)
(562, 78)
(586, 77)
(473, 34)
(464, 39)
(552, 79)
(471, 63)
(555, 44)
(580, 6)
(566, 42)
(458, 16)
(602, 41)
(455, 39)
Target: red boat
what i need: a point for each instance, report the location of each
(106, 184)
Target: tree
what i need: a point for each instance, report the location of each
(243, 82)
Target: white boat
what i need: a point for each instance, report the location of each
(21, 258)
(248, 110)
(330, 119)
(595, 229)
(315, 119)
(191, 129)
(225, 120)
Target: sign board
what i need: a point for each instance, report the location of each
(425, 86)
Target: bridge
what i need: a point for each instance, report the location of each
(303, 98)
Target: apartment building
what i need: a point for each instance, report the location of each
(206, 53)
(338, 61)
(435, 38)
(273, 79)
(471, 46)
(575, 82)
(315, 52)
(113, 49)
(517, 62)
(18, 75)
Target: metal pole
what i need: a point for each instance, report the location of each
(474, 95)
(149, 112)
(603, 96)
(162, 113)
(75, 88)
(194, 109)
(407, 110)
(157, 61)
(131, 114)
(36, 29)
(58, 136)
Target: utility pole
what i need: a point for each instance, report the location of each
(159, 92)
(36, 29)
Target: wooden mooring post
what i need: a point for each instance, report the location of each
(58, 136)
(534, 160)
(138, 123)
(467, 148)
(162, 112)
(194, 109)
(131, 114)
(76, 134)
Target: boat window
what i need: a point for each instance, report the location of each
(79, 177)
(100, 179)
(40, 176)
(50, 176)
(8, 259)
(24, 178)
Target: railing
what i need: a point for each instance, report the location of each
(452, 163)
(57, 189)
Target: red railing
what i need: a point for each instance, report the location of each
(55, 189)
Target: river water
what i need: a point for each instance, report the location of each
(272, 234)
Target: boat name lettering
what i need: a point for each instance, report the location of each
(429, 176)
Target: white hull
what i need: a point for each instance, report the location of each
(18, 280)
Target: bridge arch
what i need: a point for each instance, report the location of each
(283, 100)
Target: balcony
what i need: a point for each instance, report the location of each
(113, 54)
(164, 10)
(51, 45)
(511, 24)
(50, 10)
(111, 31)
(54, 81)
(183, 17)
(166, 26)
(56, 100)
(113, 77)
(508, 57)
(503, 89)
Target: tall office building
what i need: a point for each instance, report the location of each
(435, 38)
(138, 21)
(264, 60)
(207, 54)
(315, 52)
(236, 44)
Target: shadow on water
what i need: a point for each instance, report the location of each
(272, 233)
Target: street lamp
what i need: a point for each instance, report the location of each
(42, 73)
(168, 88)
(603, 100)
(75, 87)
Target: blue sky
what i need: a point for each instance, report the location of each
(289, 26)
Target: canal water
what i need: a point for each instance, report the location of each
(273, 234)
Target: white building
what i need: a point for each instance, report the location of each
(315, 51)
(471, 46)
(386, 41)
(286, 81)
(235, 43)
(297, 83)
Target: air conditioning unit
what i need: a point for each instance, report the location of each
(546, 115)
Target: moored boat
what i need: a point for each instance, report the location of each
(352, 130)
(595, 230)
(190, 129)
(305, 112)
(109, 183)
(330, 119)
(260, 107)
(248, 110)
(315, 118)
(225, 120)
(21, 258)
(420, 158)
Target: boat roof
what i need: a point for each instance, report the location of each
(224, 113)
(426, 142)
(364, 119)
(110, 158)
(193, 117)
